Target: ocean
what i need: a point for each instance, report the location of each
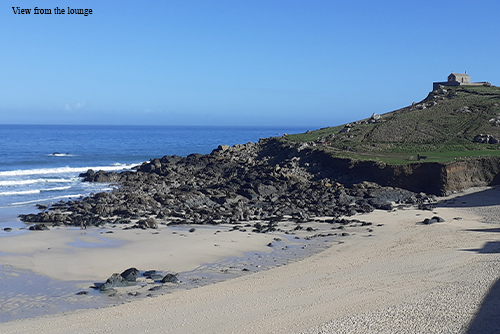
(40, 164)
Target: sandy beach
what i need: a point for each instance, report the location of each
(402, 276)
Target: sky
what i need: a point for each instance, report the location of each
(236, 62)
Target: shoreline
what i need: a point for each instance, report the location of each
(72, 260)
(401, 268)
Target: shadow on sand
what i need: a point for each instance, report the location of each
(491, 247)
(487, 318)
(486, 197)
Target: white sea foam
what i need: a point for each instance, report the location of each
(33, 191)
(55, 189)
(49, 199)
(60, 170)
(33, 181)
(106, 189)
(23, 192)
(61, 155)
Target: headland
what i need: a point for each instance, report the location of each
(368, 194)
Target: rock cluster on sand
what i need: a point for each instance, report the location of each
(255, 181)
(129, 278)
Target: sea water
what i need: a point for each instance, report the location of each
(40, 164)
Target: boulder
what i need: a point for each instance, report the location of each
(148, 273)
(432, 220)
(130, 275)
(170, 278)
(152, 274)
(38, 227)
(148, 223)
(115, 281)
(88, 175)
(485, 139)
(221, 148)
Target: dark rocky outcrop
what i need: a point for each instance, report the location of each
(255, 181)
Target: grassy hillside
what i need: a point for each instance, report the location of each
(442, 127)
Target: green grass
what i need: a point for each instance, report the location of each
(433, 156)
(442, 131)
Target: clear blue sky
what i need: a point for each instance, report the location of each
(317, 63)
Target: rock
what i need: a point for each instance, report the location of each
(116, 280)
(130, 275)
(170, 278)
(221, 148)
(88, 175)
(152, 274)
(191, 230)
(148, 223)
(38, 227)
(7, 229)
(156, 277)
(254, 182)
(485, 139)
(148, 273)
(374, 118)
(432, 220)
(82, 293)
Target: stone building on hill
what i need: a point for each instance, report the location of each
(458, 79)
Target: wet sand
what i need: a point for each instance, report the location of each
(42, 271)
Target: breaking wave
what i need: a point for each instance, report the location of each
(61, 170)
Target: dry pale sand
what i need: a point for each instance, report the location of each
(405, 278)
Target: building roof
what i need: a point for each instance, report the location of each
(460, 74)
